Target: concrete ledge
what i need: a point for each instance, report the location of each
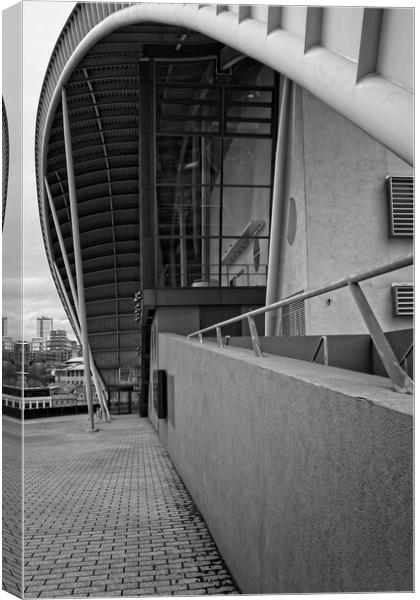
(356, 385)
(302, 472)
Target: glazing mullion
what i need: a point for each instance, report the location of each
(222, 155)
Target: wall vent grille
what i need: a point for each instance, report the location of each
(401, 205)
(293, 318)
(403, 299)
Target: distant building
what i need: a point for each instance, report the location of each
(43, 326)
(7, 344)
(71, 379)
(33, 397)
(37, 344)
(73, 372)
(59, 345)
(57, 348)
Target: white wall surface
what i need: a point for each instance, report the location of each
(396, 50)
(341, 28)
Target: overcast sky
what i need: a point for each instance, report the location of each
(42, 24)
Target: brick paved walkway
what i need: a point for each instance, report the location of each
(107, 515)
(12, 506)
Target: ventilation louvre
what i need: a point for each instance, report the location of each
(403, 299)
(401, 205)
(293, 318)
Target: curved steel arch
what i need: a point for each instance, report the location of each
(5, 160)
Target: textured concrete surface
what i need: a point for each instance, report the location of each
(302, 472)
(11, 506)
(107, 515)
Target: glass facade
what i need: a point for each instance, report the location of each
(214, 168)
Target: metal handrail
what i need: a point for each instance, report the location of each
(400, 380)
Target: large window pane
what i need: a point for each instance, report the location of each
(246, 210)
(252, 95)
(198, 71)
(244, 262)
(190, 211)
(188, 261)
(213, 174)
(247, 161)
(188, 109)
(188, 160)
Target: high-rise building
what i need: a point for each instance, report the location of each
(43, 326)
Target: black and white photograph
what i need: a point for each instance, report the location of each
(207, 299)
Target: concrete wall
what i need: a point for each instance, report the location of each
(302, 472)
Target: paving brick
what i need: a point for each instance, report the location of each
(115, 518)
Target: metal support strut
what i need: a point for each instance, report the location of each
(324, 343)
(254, 337)
(401, 382)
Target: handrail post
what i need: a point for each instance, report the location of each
(406, 354)
(254, 337)
(325, 340)
(200, 337)
(401, 382)
(219, 337)
(324, 343)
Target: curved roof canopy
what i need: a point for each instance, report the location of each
(104, 108)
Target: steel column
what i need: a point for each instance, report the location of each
(69, 275)
(205, 210)
(274, 274)
(99, 385)
(77, 255)
(100, 389)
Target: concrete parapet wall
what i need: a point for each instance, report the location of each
(302, 472)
